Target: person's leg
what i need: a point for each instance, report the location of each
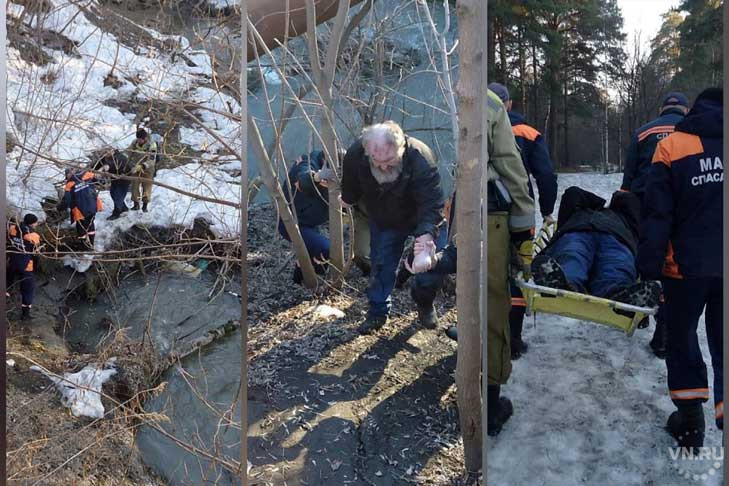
(317, 245)
(146, 191)
(117, 197)
(575, 253)
(27, 292)
(136, 194)
(361, 243)
(426, 285)
(123, 191)
(499, 354)
(687, 379)
(659, 341)
(516, 321)
(385, 250)
(714, 319)
(614, 266)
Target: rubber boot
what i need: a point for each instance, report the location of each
(136, 206)
(144, 206)
(427, 317)
(372, 323)
(687, 426)
(114, 215)
(499, 409)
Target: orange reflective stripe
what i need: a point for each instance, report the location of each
(518, 301)
(719, 410)
(658, 129)
(76, 214)
(29, 266)
(525, 131)
(677, 146)
(13, 231)
(69, 185)
(623, 190)
(87, 176)
(99, 204)
(690, 394)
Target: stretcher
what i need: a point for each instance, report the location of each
(580, 306)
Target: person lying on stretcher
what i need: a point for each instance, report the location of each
(594, 248)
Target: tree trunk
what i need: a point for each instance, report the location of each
(566, 155)
(471, 22)
(244, 260)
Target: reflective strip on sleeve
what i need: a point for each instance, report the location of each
(690, 394)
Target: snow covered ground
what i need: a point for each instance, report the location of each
(590, 404)
(63, 110)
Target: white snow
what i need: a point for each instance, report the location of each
(81, 391)
(61, 111)
(590, 403)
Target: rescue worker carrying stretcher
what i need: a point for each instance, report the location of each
(594, 249)
(24, 242)
(82, 198)
(681, 243)
(535, 156)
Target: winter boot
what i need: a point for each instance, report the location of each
(452, 332)
(687, 426)
(428, 317)
(372, 323)
(25, 313)
(144, 206)
(518, 347)
(659, 343)
(547, 272)
(641, 294)
(499, 409)
(114, 215)
(136, 206)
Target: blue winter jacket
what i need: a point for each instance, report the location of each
(81, 196)
(535, 155)
(642, 147)
(681, 230)
(311, 200)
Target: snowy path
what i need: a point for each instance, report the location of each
(590, 404)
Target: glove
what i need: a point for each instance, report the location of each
(524, 243)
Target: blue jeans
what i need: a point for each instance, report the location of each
(595, 263)
(118, 192)
(386, 247)
(316, 242)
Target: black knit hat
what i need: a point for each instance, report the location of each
(141, 133)
(30, 218)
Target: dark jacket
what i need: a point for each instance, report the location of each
(413, 203)
(535, 155)
(311, 200)
(81, 196)
(681, 230)
(642, 147)
(23, 242)
(581, 210)
(119, 163)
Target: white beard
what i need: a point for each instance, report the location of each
(383, 177)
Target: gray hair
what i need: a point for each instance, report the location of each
(387, 132)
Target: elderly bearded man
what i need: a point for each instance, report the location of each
(397, 179)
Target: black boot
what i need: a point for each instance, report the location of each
(642, 294)
(547, 272)
(25, 313)
(136, 206)
(144, 206)
(687, 426)
(114, 215)
(499, 409)
(659, 343)
(427, 317)
(372, 323)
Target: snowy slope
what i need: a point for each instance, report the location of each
(590, 404)
(63, 110)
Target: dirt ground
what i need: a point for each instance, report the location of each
(328, 406)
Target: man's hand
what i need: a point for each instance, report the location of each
(343, 204)
(424, 255)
